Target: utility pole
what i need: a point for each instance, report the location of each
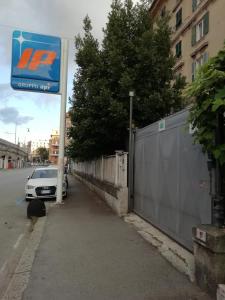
(130, 178)
(15, 132)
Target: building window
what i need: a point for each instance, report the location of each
(197, 63)
(178, 49)
(195, 4)
(178, 18)
(200, 29)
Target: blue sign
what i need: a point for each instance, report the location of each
(35, 62)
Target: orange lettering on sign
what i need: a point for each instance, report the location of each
(38, 60)
(40, 57)
(24, 59)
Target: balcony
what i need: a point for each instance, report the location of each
(55, 153)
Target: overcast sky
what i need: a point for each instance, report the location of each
(63, 18)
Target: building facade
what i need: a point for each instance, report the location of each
(198, 31)
(11, 155)
(39, 144)
(33, 147)
(68, 126)
(54, 147)
(54, 142)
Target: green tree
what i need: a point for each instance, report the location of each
(43, 153)
(86, 107)
(208, 95)
(134, 55)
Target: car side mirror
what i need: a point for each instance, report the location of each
(28, 177)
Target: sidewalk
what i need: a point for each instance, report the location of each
(88, 253)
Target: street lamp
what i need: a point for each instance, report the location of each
(130, 179)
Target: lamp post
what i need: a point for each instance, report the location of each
(14, 133)
(130, 178)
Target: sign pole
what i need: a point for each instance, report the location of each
(64, 70)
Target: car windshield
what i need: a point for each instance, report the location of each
(50, 173)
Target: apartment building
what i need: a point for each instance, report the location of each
(32, 147)
(54, 147)
(39, 144)
(68, 126)
(198, 31)
(54, 141)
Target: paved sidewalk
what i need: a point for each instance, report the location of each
(87, 252)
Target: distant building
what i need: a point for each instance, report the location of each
(11, 155)
(198, 31)
(54, 141)
(28, 148)
(68, 126)
(54, 147)
(39, 144)
(33, 146)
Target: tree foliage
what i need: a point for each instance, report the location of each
(208, 92)
(133, 56)
(43, 153)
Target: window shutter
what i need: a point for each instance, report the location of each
(193, 36)
(205, 57)
(178, 49)
(206, 23)
(178, 18)
(193, 71)
(194, 5)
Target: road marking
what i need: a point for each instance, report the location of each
(3, 267)
(18, 240)
(21, 275)
(20, 201)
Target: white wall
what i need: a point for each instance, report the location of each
(108, 169)
(112, 169)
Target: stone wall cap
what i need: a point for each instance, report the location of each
(210, 237)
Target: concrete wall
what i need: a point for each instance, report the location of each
(106, 176)
(11, 155)
(112, 169)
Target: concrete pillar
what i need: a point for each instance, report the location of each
(6, 162)
(1, 163)
(123, 169)
(102, 169)
(118, 153)
(19, 163)
(209, 253)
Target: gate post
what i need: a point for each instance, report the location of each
(130, 174)
(218, 199)
(6, 162)
(209, 253)
(209, 240)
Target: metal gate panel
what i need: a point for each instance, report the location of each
(171, 180)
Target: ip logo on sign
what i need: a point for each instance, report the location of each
(35, 62)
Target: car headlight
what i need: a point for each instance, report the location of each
(29, 187)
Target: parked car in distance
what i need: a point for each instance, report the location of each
(43, 184)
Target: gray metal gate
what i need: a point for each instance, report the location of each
(171, 180)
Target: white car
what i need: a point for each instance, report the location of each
(43, 184)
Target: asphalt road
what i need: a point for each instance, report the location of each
(13, 222)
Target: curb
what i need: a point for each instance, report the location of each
(22, 273)
(180, 258)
